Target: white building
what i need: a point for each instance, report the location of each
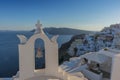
(116, 41)
(102, 65)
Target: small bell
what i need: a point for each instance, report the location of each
(39, 53)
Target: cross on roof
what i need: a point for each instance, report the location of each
(38, 27)
(38, 24)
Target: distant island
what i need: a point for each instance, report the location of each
(64, 31)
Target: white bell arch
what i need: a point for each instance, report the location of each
(27, 56)
(27, 59)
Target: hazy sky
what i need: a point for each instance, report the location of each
(80, 14)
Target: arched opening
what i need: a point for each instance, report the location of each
(39, 49)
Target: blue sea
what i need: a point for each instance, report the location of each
(9, 62)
